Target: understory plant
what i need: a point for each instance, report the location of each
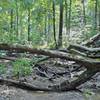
(22, 67)
(2, 69)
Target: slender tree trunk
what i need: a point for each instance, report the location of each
(99, 18)
(96, 1)
(11, 22)
(17, 18)
(84, 18)
(60, 24)
(45, 29)
(66, 15)
(29, 24)
(69, 17)
(54, 27)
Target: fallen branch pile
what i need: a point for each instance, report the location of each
(92, 65)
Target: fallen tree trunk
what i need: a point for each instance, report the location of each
(8, 58)
(22, 85)
(54, 54)
(92, 41)
(84, 49)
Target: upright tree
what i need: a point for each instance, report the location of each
(17, 18)
(60, 24)
(96, 9)
(66, 16)
(29, 15)
(69, 22)
(54, 27)
(84, 16)
(11, 21)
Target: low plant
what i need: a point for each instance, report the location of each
(22, 67)
(2, 69)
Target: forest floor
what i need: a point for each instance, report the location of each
(48, 73)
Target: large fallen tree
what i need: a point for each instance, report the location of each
(92, 41)
(92, 65)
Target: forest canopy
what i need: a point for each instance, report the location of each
(48, 23)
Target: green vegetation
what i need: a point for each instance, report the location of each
(48, 23)
(2, 69)
(21, 67)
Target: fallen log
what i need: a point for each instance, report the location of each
(22, 85)
(8, 58)
(92, 41)
(52, 53)
(84, 49)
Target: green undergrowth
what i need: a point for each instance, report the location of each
(2, 69)
(22, 67)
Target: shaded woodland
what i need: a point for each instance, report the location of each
(49, 45)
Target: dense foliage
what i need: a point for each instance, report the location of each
(48, 22)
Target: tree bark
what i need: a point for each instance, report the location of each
(69, 22)
(11, 22)
(17, 18)
(66, 16)
(96, 8)
(84, 18)
(29, 24)
(60, 24)
(54, 20)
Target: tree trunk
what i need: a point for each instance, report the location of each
(28, 24)
(69, 22)
(84, 18)
(60, 24)
(11, 22)
(99, 18)
(54, 27)
(96, 7)
(17, 18)
(66, 16)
